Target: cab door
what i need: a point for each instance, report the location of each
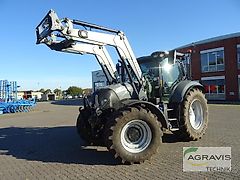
(170, 76)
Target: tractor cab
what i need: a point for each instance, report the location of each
(164, 70)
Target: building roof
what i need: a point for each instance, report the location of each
(218, 38)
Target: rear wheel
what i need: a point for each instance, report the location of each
(194, 119)
(133, 135)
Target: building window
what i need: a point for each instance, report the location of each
(98, 85)
(214, 89)
(238, 56)
(212, 60)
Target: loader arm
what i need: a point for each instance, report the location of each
(60, 35)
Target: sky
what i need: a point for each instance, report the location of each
(149, 25)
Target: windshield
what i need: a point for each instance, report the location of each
(170, 72)
(153, 67)
(150, 68)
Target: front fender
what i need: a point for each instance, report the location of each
(153, 108)
(181, 90)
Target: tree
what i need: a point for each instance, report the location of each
(47, 91)
(42, 90)
(58, 92)
(74, 90)
(64, 92)
(87, 91)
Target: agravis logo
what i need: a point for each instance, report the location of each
(207, 159)
(189, 152)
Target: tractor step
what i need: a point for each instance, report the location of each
(174, 129)
(172, 119)
(173, 124)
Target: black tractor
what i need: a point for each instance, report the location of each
(131, 128)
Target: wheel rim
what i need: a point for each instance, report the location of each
(136, 136)
(196, 114)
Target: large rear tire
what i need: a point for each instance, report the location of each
(133, 135)
(194, 117)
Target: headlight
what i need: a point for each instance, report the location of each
(103, 101)
(100, 100)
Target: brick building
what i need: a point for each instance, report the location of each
(215, 63)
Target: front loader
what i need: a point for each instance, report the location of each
(143, 98)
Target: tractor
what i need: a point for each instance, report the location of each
(144, 98)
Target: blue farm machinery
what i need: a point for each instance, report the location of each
(9, 102)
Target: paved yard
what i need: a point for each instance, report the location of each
(43, 144)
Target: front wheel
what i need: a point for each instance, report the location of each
(84, 129)
(194, 118)
(133, 135)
